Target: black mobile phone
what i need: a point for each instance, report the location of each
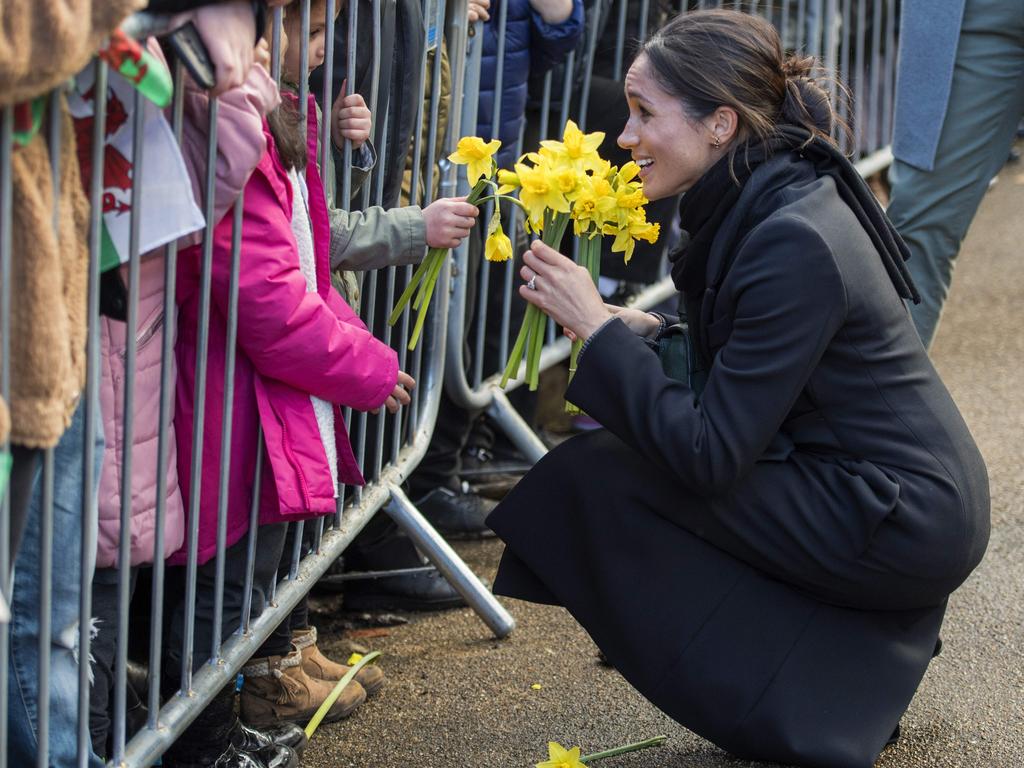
(188, 46)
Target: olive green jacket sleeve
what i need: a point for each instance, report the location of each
(373, 238)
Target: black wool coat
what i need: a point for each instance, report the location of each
(769, 564)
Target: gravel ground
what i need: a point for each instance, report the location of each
(457, 697)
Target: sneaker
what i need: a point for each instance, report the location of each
(315, 664)
(277, 689)
(457, 514)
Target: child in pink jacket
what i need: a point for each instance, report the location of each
(240, 128)
(301, 355)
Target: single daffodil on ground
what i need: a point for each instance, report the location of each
(477, 155)
(560, 757)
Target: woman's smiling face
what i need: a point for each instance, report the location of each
(672, 149)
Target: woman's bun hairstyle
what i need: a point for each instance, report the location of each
(806, 103)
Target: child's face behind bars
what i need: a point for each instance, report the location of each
(291, 56)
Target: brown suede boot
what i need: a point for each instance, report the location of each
(277, 689)
(315, 664)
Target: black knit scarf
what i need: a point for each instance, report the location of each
(704, 207)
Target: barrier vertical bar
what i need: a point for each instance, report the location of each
(275, 47)
(588, 67)
(124, 550)
(620, 40)
(350, 68)
(645, 9)
(484, 284)
(877, 76)
(304, 63)
(861, 74)
(199, 415)
(230, 344)
(250, 550)
(371, 291)
(167, 392)
(45, 611)
(90, 510)
(889, 83)
(428, 185)
(845, 107)
(6, 247)
(46, 510)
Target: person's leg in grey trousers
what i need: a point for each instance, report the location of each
(933, 209)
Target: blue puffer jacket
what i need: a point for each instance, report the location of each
(531, 44)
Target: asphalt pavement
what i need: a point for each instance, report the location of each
(458, 697)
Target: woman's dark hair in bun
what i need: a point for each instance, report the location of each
(726, 58)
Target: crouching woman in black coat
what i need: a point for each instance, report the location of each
(767, 558)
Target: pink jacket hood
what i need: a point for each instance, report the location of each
(290, 344)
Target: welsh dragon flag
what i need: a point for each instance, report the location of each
(167, 207)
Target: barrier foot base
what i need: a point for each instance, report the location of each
(515, 427)
(440, 553)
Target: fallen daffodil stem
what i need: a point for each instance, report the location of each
(657, 741)
(332, 697)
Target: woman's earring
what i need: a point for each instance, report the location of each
(718, 142)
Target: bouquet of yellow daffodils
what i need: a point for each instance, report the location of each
(568, 181)
(478, 156)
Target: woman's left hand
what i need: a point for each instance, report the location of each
(563, 289)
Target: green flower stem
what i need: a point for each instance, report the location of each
(423, 302)
(332, 697)
(426, 274)
(657, 741)
(589, 257)
(515, 358)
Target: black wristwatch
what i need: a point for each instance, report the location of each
(259, 11)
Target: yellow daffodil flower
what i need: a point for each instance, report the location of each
(560, 757)
(626, 237)
(538, 192)
(594, 204)
(578, 147)
(627, 172)
(507, 181)
(477, 155)
(497, 247)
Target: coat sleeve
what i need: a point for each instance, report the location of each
(789, 301)
(377, 238)
(241, 141)
(290, 334)
(44, 42)
(551, 43)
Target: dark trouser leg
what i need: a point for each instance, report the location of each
(104, 649)
(280, 641)
(269, 546)
(25, 470)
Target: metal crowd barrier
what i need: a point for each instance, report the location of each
(857, 39)
(388, 448)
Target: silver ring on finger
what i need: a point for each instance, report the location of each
(532, 283)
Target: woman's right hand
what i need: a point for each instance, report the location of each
(639, 322)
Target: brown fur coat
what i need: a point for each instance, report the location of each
(42, 43)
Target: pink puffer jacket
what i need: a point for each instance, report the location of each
(291, 344)
(240, 146)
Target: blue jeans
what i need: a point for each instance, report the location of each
(23, 665)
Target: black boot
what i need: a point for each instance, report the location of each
(249, 739)
(213, 738)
